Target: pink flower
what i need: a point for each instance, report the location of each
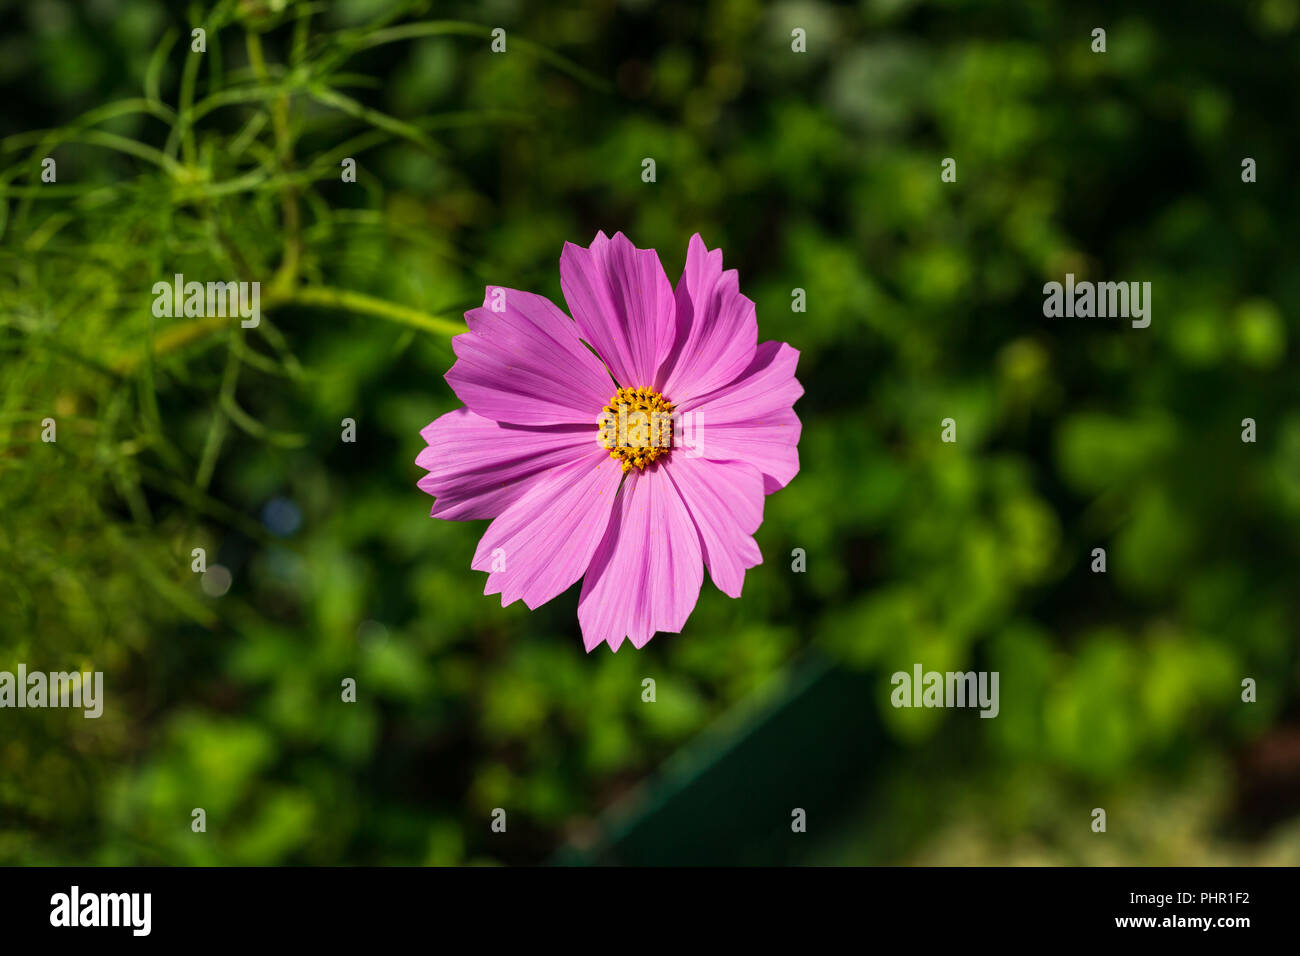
(630, 446)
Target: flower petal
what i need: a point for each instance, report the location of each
(771, 445)
(716, 332)
(725, 500)
(752, 420)
(623, 303)
(544, 540)
(526, 364)
(477, 467)
(646, 574)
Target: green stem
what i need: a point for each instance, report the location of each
(326, 297)
(286, 277)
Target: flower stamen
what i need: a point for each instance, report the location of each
(637, 427)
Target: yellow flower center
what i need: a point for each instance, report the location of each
(637, 427)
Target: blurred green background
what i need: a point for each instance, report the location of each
(818, 171)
